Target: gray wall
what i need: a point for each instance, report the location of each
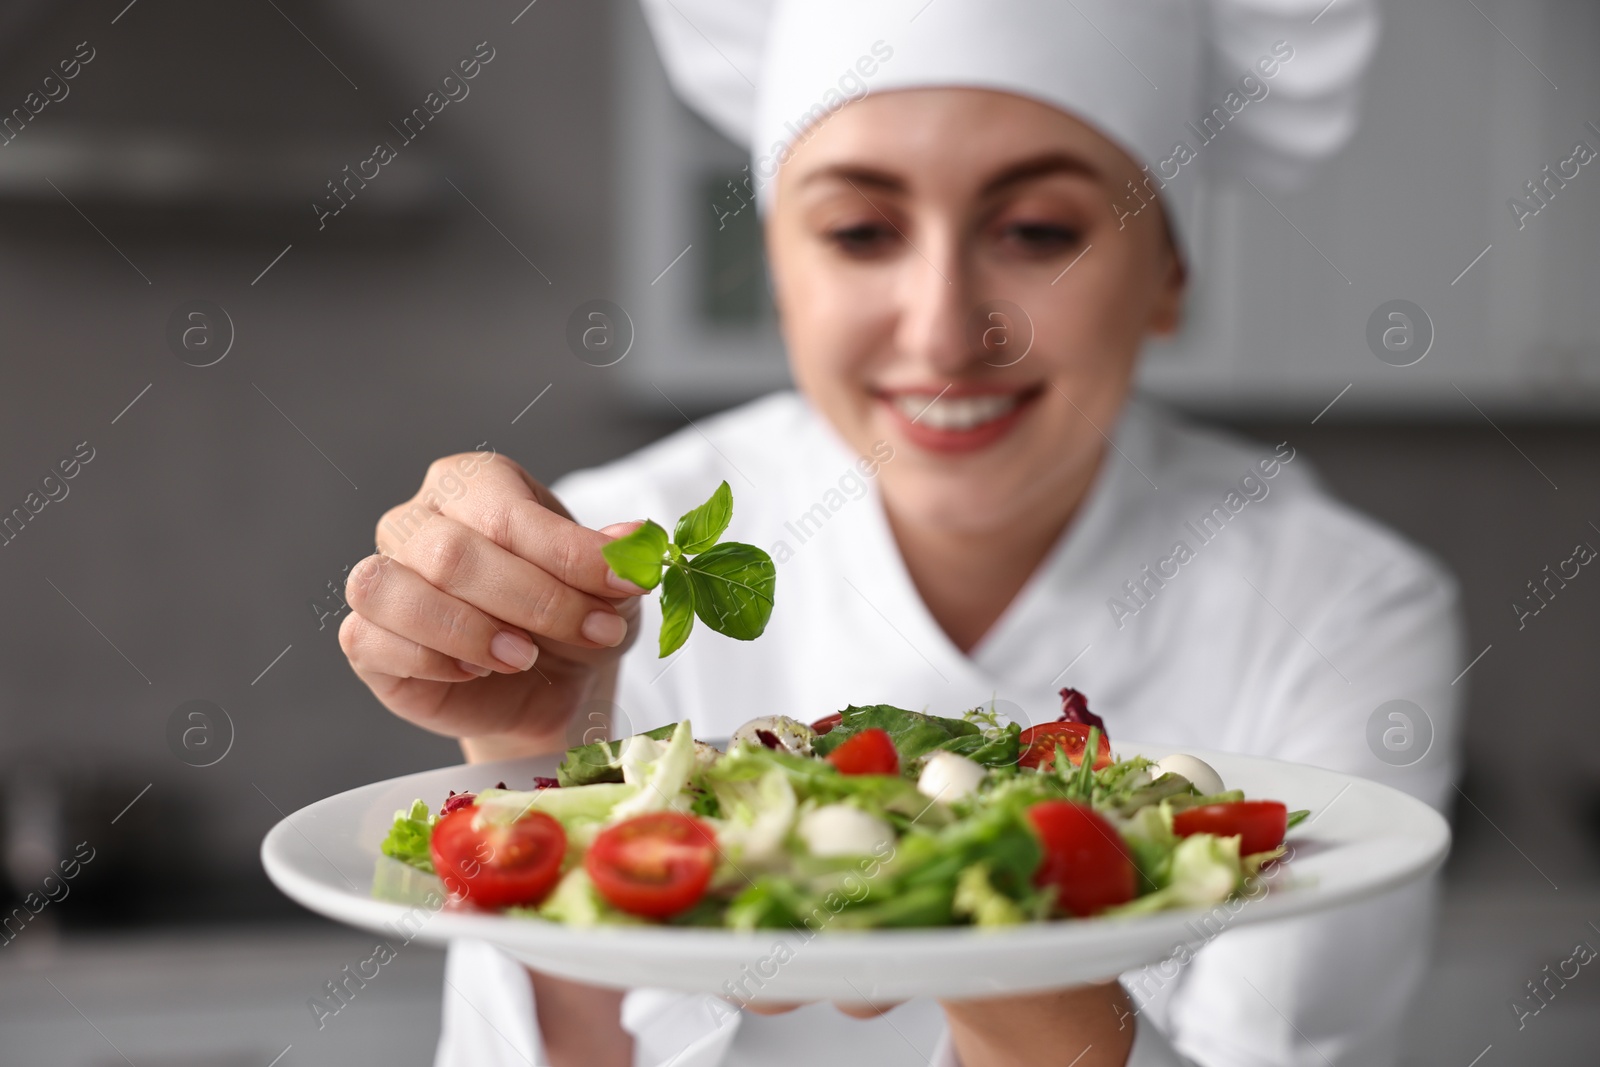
(195, 539)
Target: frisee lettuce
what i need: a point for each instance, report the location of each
(407, 840)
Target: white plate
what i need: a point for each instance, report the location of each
(1362, 839)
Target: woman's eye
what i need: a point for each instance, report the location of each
(859, 240)
(1042, 238)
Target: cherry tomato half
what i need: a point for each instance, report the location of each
(827, 722)
(498, 866)
(1085, 858)
(1260, 824)
(1039, 745)
(869, 752)
(653, 865)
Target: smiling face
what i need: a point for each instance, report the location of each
(899, 234)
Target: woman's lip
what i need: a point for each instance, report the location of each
(936, 439)
(948, 389)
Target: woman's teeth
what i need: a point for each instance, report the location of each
(954, 412)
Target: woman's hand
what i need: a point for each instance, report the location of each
(854, 1009)
(580, 1025)
(487, 614)
(1082, 1025)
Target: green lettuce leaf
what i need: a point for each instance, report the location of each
(576, 902)
(565, 805)
(1149, 837)
(758, 814)
(977, 899)
(888, 797)
(407, 840)
(1205, 869)
(597, 762)
(1127, 801)
(913, 733)
(1193, 800)
(1256, 860)
(1000, 747)
(664, 778)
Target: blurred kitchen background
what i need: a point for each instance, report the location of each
(236, 470)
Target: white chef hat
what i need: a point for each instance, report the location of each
(1259, 88)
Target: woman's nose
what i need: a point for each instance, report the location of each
(935, 303)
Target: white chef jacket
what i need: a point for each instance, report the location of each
(1279, 632)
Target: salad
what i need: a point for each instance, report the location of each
(870, 818)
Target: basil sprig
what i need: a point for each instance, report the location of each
(728, 585)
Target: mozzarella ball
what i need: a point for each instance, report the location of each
(1199, 772)
(780, 732)
(841, 830)
(948, 776)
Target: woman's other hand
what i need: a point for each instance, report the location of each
(1086, 1026)
(854, 1009)
(487, 613)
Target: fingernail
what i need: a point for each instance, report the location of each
(617, 529)
(622, 585)
(473, 668)
(514, 650)
(604, 628)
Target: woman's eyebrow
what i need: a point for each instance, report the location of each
(856, 174)
(1039, 166)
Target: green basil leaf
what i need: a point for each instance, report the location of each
(699, 529)
(677, 610)
(733, 586)
(638, 556)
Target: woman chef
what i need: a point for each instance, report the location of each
(955, 522)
